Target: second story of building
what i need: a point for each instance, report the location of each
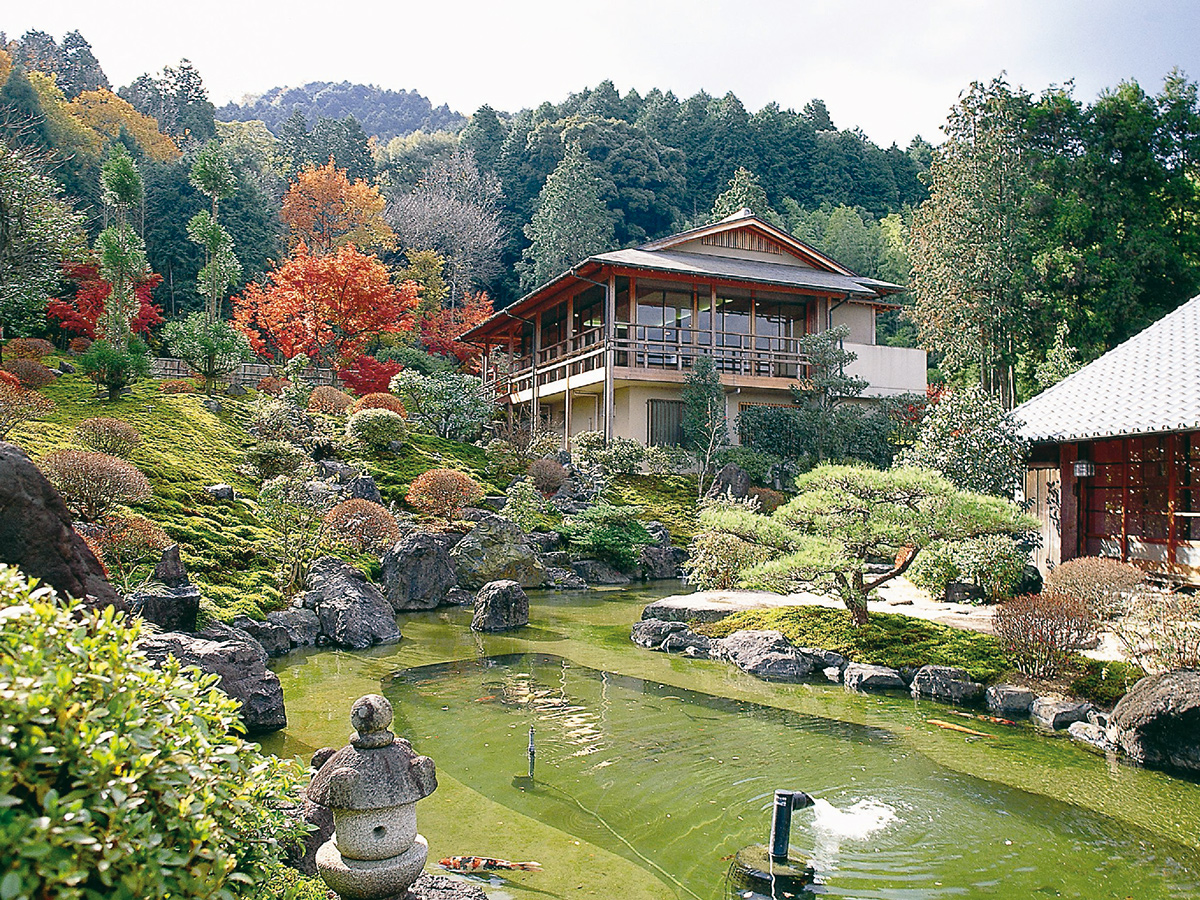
(738, 290)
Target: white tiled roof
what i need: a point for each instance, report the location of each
(1150, 383)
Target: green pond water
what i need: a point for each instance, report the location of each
(652, 770)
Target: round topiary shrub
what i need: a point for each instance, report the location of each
(125, 542)
(119, 779)
(28, 348)
(92, 483)
(329, 400)
(375, 429)
(361, 525)
(272, 385)
(379, 401)
(19, 404)
(444, 492)
(31, 373)
(275, 458)
(115, 437)
(79, 345)
(547, 475)
(1104, 583)
(177, 386)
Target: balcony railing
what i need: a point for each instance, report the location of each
(653, 348)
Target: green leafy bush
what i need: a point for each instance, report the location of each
(211, 348)
(450, 406)
(118, 779)
(610, 533)
(619, 455)
(994, 563)
(275, 458)
(527, 508)
(667, 460)
(276, 419)
(755, 463)
(114, 367)
(375, 429)
(716, 560)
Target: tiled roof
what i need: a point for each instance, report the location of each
(702, 264)
(1150, 383)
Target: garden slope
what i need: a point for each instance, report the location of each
(185, 447)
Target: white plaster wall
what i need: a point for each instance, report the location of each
(861, 320)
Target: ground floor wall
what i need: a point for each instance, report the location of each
(1136, 499)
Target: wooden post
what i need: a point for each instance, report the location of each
(534, 404)
(610, 356)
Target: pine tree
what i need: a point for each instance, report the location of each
(744, 192)
(571, 221)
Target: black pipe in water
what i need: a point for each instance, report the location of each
(781, 822)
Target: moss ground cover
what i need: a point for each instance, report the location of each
(670, 499)
(886, 640)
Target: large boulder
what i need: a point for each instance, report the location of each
(945, 683)
(417, 572)
(352, 611)
(497, 550)
(560, 579)
(169, 569)
(689, 643)
(650, 633)
(1009, 700)
(731, 481)
(364, 488)
(170, 608)
(595, 571)
(1058, 712)
(302, 625)
(36, 534)
(273, 637)
(768, 655)
(863, 677)
(659, 532)
(499, 606)
(658, 562)
(241, 664)
(1158, 722)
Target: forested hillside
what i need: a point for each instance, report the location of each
(1041, 232)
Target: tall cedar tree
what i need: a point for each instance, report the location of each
(328, 307)
(324, 210)
(571, 222)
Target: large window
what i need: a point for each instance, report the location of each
(666, 423)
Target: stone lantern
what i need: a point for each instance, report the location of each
(372, 786)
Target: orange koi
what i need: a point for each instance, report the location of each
(484, 863)
(952, 727)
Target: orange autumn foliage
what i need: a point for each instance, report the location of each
(441, 330)
(328, 307)
(324, 210)
(105, 113)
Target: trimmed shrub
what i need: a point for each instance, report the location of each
(177, 386)
(547, 475)
(1104, 583)
(1039, 631)
(115, 367)
(115, 437)
(933, 570)
(274, 458)
(716, 560)
(125, 542)
(31, 373)
(610, 533)
(623, 456)
(272, 385)
(19, 404)
(379, 400)
(994, 563)
(279, 420)
(361, 525)
(375, 429)
(450, 406)
(754, 463)
(329, 400)
(92, 483)
(666, 460)
(79, 345)
(527, 508)
(443, 492)
(768, 500)
(28, 348)
(119, 779)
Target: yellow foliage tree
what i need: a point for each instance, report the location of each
(70, 134)
(106, 113)
(324, 210)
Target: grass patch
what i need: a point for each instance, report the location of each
(670, 499)
(1104, 683)
(886, 640)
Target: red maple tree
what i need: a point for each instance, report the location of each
(441, 330)
(367, 375)
(80, 312)
(327, 307)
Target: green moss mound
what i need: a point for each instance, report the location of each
(886, 640)
(670, 499)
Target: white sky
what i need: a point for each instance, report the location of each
(891, 67)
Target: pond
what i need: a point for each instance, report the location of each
(651, 771)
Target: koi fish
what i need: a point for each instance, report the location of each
(484, 863)
(950, 726)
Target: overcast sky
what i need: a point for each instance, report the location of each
(891, 68)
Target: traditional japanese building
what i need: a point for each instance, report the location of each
(1115, 463)
(606, 345)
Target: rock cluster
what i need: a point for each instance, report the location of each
(352, 612)
(496, 550)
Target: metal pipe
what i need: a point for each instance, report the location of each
(781, 821)
(532, 752)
